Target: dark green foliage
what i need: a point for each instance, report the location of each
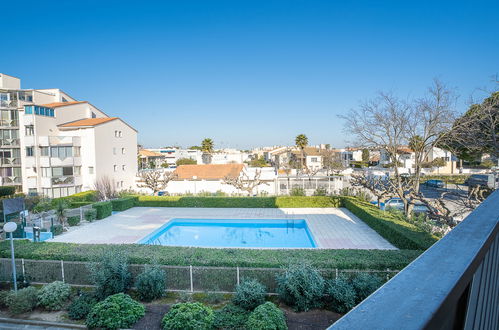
(104, 209)
(118, 311)
(249, 294)
(22, 301)
(111, 275)
(7, 190)
(301, 287)
(185, 256)
(151, 283)
(188, 316)
(297, 192)
(365, 284)
(122, 204)
(54, 296)
(267, 317)
(90, 214)
(320, 192)
(74, 220)
(186, 161)
(74, 205)
(240, 202)
(81, 306)
(341, 296)
(231, 317)
(3, 298)
(398, 232)
(57, 229)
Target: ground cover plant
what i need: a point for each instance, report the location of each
(81, 306)
(267, 316)
(22, 301)
(188, 316)
(231, 317)
(118, 311)
(249, 294)
(54, 296)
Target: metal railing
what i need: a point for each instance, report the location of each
(453, 285)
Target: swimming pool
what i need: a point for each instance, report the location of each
(249, 233)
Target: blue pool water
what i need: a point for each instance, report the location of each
(250, 233)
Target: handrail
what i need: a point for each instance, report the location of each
(446, 286)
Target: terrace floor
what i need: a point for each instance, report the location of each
(332, 228)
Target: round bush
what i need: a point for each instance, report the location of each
(231, 317)
(301, 287)
(22, 301)
(249, 294)
(364, 284)
(90, 215)
(115, 312)
(81, 306)
(151, 284)
(341, 295)
(267, 317)
(54, 296)
(73, 221)
(188, 316)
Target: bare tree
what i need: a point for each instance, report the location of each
(379, 186)
(106, 188)
(331, 161)
(155, 180)
(244, 182)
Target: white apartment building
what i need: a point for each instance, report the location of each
(54, 145)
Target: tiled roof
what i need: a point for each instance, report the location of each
(309, 151)
(149, 153)
(61, 104)
(208, 172)
(88, 122)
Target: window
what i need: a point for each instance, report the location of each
(122, 151)
(90, 170)
(114, 151)
(42, 111)
(62, 171)
(44, 151)
(115, 133)
(46, 172)
(119, 134)
(94, 115)
(61, 152)
(313, 159)
(30, 152)
(30, 130)
(123, 167)
(115, 168)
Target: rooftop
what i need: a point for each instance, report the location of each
(88, 122)
(61, 104)
(149, 153)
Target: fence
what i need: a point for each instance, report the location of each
(178, 278)
(331, 184)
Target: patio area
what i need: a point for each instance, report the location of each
(332, 228)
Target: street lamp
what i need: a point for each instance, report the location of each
(11, 227)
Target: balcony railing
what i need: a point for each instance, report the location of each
(9, 142)
(453, 285)
(10, 161)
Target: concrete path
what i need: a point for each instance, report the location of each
(332, 228)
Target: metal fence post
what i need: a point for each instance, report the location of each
(192, 284)
(237, 269)
(24, 270)
(388, 274)
(62, 271)
(336, 272)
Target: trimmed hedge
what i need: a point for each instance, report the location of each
(122, 204)
(7, 190)
(240, 202)
(398, 232)
(185, 256)
(104, 209)
(74, 220)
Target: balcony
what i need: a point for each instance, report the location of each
(453, 285)
(9, 143)
(14, 123)
(64, 141)
(9, 162)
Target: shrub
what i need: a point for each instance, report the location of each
(104, 209)
(364, 284)
(297, 192)
(151, 283)
(22, 301)
(267, 316)
(110, 275)
(396, 231)
(54, 296)
(320, 192)
(81, 306)
(57, 229)
(301, 287)
(7, 190)
(3, 298)
(188, 316)
(249, 294)
(340, 295)
(122, 204)
(74, 220)
(115, 312)
(90, 215)
(230, 317)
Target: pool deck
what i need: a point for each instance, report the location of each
(332, 228)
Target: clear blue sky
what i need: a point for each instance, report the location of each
(246, 73)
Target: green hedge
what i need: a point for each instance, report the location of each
(74, 205)
(74, 220)
(454, 179)
(184, 256)
(7, 190)
(398, 232)
(104, 209)
(122, 204)
(239, 202)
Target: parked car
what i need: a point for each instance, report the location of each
(434, 183)
(394, 203)
(484, 180)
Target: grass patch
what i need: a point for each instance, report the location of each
(184, 256)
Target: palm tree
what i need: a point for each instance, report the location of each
(301, 142)
(207, 149)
